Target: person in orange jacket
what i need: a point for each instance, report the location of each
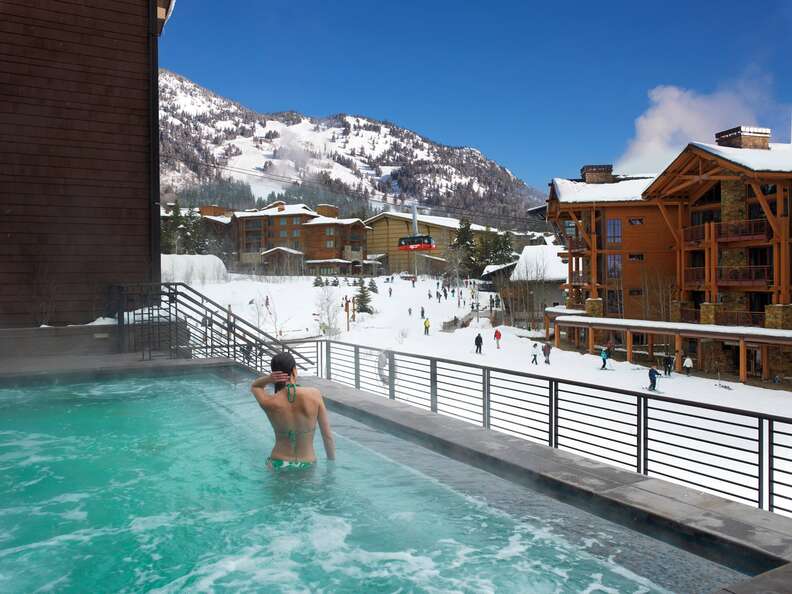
(498, 336)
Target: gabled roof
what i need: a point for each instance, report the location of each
(321, 220)
(274, 211)
(778, 158)
(282, 249)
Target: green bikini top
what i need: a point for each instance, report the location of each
(291, 434)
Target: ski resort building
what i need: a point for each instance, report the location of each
(79, 179)
(714, 241)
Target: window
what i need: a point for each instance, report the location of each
(636, 221)
(330, 243)
(613, 303)
(282, 220)
(295, 245)
(295, 220)
(284, 233)
(636, 292)
(614, 231)
(295, 232)
(635, 257)
(329, 231)
(254, 224)
(614, 266)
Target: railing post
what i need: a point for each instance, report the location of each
(555, 415)
(485, 397)
(645, 435)
(638, 438)
(433, 385)
(760, 452)
(328, 372)
(391, 376)
(550, 409)
(770, 465)
(357, 367)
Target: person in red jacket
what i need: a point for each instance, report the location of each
(498, 336)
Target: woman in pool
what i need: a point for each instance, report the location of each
(294, 412)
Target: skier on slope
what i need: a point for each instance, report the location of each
(426, 327)
(604, 356)
(653, 375)
(423, 313)
(534, 360)
(546, 352)
(498, 336)
(479, 341)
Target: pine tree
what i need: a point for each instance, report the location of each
(363, 299)
(318, 282)
(465, 242)
(372, 286)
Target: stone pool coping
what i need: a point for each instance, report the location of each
(751, 540)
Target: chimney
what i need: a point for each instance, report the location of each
(327, 210)
(744, 137)
(597, 174)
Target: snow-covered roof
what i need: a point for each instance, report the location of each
(376, 256)
(436, 258)
(685, 328)
(540, 263)
(568, 190)
(562, 309)
(288, 209)
(447, 222)
(490, 268)
(321, 220)
(282, 249)
(168, 212)
(218, 218)
(329, 261)
(372, 262)
(777, 158)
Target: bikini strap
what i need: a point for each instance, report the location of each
(291, 392)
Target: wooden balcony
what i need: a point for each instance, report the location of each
(745, 275)
(695, 276)
(693, 234)
(689, 315)
(578, 278)
(741, 318)
(576, 244)
(750, 230)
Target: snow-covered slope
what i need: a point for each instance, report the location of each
(203, 135)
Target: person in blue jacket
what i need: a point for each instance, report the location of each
(653, 375)
(604, 356)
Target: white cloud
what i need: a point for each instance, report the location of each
(677, 116)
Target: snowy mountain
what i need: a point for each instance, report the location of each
(204, 135)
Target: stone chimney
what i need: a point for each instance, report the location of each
(327, 210)
(597, 174)
(744, 137)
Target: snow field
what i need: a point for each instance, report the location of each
(711, 450)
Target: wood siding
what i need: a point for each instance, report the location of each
(78, 156)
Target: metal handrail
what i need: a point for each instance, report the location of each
(736, 453)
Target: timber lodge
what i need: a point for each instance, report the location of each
(704, 244)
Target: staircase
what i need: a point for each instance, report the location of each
(174, 320)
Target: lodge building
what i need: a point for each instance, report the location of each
(712, 230)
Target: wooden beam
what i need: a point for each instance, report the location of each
(678, 353)
(764, 352)
(557, 331)
(590, 336)
(771, 218)
(650, 347)
(629, 346)
(743, 361)
(667, 219)
(547, 327)
(579, 225)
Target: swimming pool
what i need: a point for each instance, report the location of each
(158, 484)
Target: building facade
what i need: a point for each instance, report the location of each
(79, 176)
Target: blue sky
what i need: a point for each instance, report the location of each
(541, 89)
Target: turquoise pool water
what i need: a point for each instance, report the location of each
(158, 484)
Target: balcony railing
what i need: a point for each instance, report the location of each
(741, 318)
(693, 234)
(689, 315)
(695, 275)
(576, 243)
(745, 275)
(578, 278)
(741, 230)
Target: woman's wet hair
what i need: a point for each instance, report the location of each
(282, 362)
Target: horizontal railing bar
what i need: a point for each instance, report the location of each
(589, 454)
(711, 465)
(543, 437)
(608, 429)
(634, 415)
(752, 500)
(596, 445)
(699, 428)
(701, 440)
(708, 419)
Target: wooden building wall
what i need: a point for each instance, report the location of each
(78, 156)
(383, 238)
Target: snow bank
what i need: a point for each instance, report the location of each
(192, 269)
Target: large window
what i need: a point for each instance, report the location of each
(614, 302)
(614, 231)
(295, 220)
(330, 243)
(253, 224)
(284, 233)
(614, 266)
(282, 220)
(329, 231)
(295, 232)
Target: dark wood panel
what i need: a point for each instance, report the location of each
(19, 160)
(125, 47)
(65, 213)
(40, 146)
(77, 19)
(69, 95)
(76, 193)
(56, 57)
(84, 226)
(113, 118)
(99, 74)
(73, 136)
(66, 172)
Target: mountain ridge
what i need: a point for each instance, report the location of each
(205, 137)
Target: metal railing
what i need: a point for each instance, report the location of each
(174, 320)
(737, 230)
(693, 234)
(745, 274)
(741, 318)
(695, 275)
(741, 455)
(576, 243)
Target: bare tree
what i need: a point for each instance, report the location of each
(328, 309)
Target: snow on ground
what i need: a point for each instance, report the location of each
(292, 305)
